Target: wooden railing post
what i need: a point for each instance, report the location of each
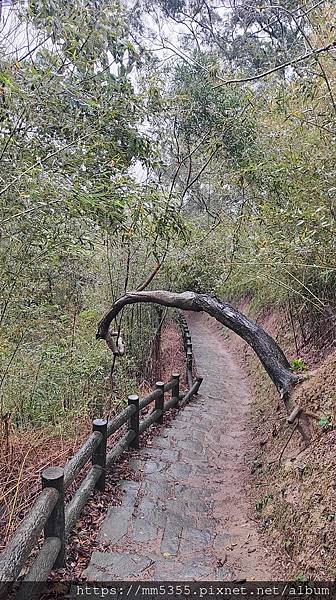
(189, 368)
(176, 387)
(159, 402)
(55, 525)
(189, 360)
(133, 421)
(99, 455)
(184, 328)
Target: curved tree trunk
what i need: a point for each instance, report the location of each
(269, 352)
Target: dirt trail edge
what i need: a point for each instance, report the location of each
(188, 516)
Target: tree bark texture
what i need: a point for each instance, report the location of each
(267, 349)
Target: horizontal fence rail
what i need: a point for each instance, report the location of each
(56, 519)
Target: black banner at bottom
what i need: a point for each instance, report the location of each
(168, 590)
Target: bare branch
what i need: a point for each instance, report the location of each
(151, 276)
(279, 67)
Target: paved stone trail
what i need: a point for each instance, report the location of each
(187, 519)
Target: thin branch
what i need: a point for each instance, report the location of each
(157, 268)
(202, 169)
(36, 164)
(286, 444)
(151, 276)
(183, 160)
(18, 344)
(29, 210)
(279, 67)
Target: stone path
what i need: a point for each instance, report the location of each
(188, 516)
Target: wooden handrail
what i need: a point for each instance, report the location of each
(74, 508)
(193, 390)
(26, 536)
(79, 460)
(120, 420)
(49, 511)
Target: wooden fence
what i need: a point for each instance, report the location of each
(188, 349)
(56, 519)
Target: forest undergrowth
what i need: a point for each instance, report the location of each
(25, 455)
(175, 145)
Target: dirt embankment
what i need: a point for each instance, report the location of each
(294, 489)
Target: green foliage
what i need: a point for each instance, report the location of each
(325, 422)
(113, 160)
(299, 365)
(261, 209)
(301, 577)
(288, 544)
(260, 504)
(72, 213)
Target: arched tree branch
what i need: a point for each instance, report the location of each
(268, 351)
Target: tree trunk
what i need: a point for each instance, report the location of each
(269, 352)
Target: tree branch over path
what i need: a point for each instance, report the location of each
(279, 67)
(268, 351)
